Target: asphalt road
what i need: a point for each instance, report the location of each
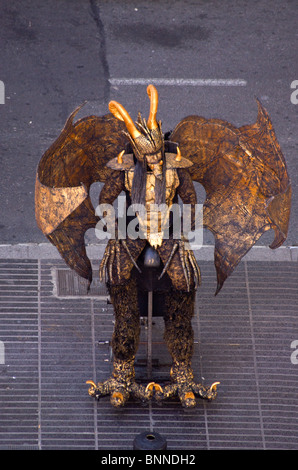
(56, 54)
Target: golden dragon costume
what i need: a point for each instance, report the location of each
(248, 191)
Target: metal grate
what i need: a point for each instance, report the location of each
(69, 284)
(52, 345)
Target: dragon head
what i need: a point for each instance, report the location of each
(146, 138)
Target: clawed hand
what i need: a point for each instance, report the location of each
(188, 261)
(112, 251)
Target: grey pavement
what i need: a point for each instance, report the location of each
(57, 54)
(53, 336)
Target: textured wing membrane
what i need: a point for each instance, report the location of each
(81, 152)
(246, 181)
(65, 173)
(55, 204)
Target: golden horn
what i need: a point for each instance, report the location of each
(120, 113)
(153, 95)
(119, 157)
(178, 156)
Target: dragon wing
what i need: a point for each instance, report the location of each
(246, 181)
(65, 173)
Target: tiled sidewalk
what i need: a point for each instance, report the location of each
(54, 337)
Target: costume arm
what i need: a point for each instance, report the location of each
(112, 188)
(109, 193)
(187, 193)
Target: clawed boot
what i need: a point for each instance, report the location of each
(121, 385)
(184, 387)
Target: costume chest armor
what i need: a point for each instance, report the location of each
(155, 222)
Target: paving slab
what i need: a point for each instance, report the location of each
(55, 336)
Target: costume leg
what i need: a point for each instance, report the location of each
(179, 338)
(179, 335)
(125, 343)
(126, 334)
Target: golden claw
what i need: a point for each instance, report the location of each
(90, 382)
(119, 399)
(153, 386)
(214, 386)
(92, 389)
(189, 396)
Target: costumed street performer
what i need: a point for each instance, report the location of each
(247, 189)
